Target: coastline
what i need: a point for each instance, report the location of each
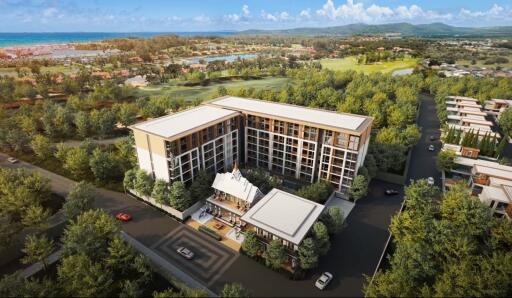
(29, 39)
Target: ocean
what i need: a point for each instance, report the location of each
(20, 39)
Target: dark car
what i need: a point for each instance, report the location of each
(391, 192)
(432, 138)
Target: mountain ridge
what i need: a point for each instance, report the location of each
(405, 29)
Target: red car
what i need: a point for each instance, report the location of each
(123, 216)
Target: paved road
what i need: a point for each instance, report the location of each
(423, 162)
(355, 251)
(75, 143)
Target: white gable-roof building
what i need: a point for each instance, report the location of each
(233, 196)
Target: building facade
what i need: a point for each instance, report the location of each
(178, 146)
(304, 143)
(297, 142)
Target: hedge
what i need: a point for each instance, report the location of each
(210, 233)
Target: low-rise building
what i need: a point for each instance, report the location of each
(233, 196)
(485, 178)
(136, 81)
(285, 217)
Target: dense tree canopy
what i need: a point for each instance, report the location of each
(451, 247)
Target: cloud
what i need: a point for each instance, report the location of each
(494, 12)
(305, 13)
(356, 12)
(50, 12)
(349, 10)
(202, 18)
(245, 11)
(232, 18)
(278, 16)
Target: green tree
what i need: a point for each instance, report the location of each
(445, 160)
(250, 244)
(505, 121)
(160, 191)
(274, 255)
(129, 179)
(308, 255)
(126, 113)
(333, 220)
(81, 277)
(201, 188)
(37, 249)
(371, 165)
(120, 257)
(143, 184)
(321, 237)
(80, 199)
(77, 163)
(42, 146)
(233, 290)
(318, 192)
(501, 146)
(90, 235)
(179, 196)
(103, 165)
(359, 188)
(82, 124)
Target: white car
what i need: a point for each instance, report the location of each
(323, 280)
(12, 160)
(431, 148)
(430, 181)
(185, 252)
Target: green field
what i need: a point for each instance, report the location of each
(480, 63)
(350, 63)
(206, 92)
(11, 71)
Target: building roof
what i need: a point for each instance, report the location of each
(284, 215)
(295, 113)
(502, 173)
(174, 125)
(495, 193)
(233, 183)
(462, 98)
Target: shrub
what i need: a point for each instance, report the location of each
(318, 192)
(210, 232)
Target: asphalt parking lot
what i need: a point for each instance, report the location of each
(211, 259)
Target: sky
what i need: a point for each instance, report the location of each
(217, 15)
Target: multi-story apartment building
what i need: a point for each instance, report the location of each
(177, 146)
(302, 143)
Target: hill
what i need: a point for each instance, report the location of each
(405, 29)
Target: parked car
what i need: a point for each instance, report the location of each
(185, 252)
(323, 280)
(12, 160)
(432, 138)
(431, 148)
(123, 216)
(430, 181)
(391, 192)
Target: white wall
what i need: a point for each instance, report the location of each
(160, 167)
(144, 160)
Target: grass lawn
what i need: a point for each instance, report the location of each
(11, 71)
(480, 63)
(350, 63)
(207, 92)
